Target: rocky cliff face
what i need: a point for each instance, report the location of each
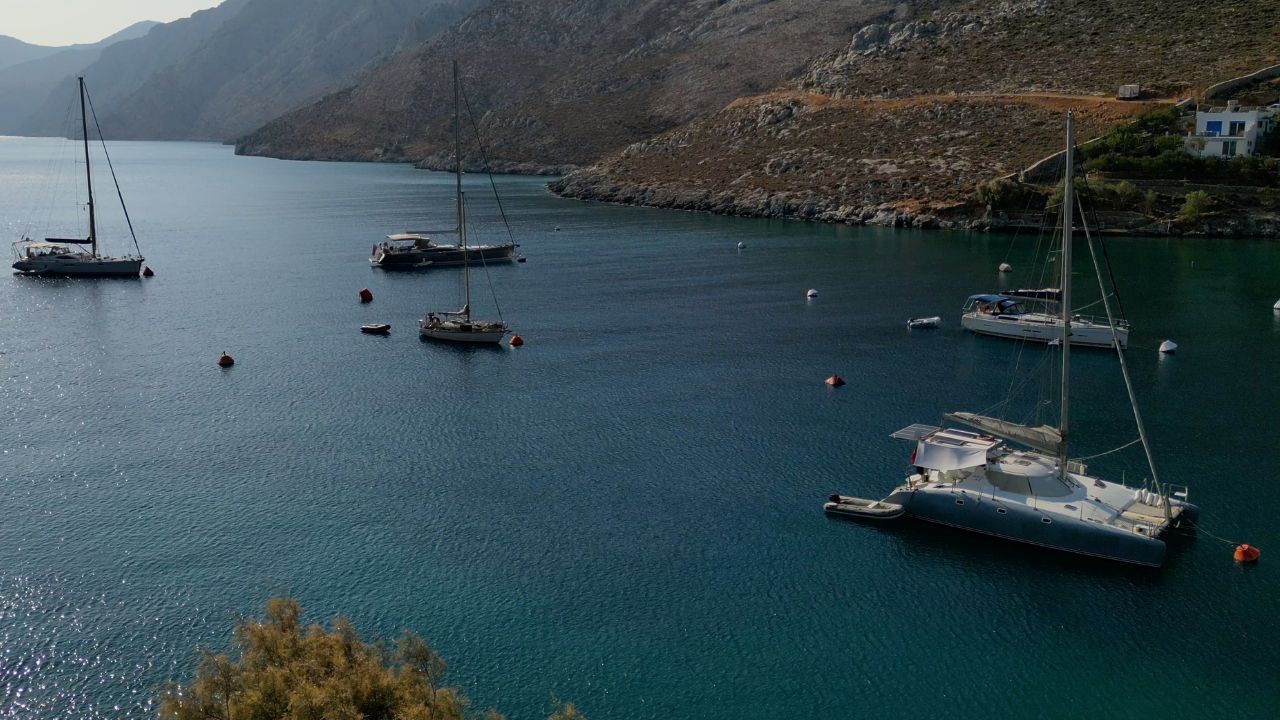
(557, 82)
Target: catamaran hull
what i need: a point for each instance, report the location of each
(1006, 326)
(417, 259)
(103, 267)
(969, 511)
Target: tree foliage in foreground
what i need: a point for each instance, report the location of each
(285, 671)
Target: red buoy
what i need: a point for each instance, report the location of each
(225, 361)
(515, 341)
(1247, 554)
(366, 296)
(835, 381)
(146, 271)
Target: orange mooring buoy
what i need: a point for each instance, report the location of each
(146, 271)
(515, 341)
(226, 361)
(366, 296)
(835, 381)
(1247, 553)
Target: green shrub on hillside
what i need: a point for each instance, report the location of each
(1006, 194)
(1151, 202)
(1153, 146)
(1102, 195)
(1196, 205)
(285, 671)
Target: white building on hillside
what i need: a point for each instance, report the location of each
(1232, 130)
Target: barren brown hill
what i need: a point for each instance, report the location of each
(556, 82)
(810, 156)
(900, 124)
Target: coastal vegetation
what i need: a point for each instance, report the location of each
(1154, 146)
(285, 670)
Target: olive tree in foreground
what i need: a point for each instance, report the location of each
(285, 671)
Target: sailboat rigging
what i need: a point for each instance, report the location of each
(459, 325)
(66, 256)
(1017, 481)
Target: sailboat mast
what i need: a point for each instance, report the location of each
(457, 163)
(88, 174)
(1068, 210)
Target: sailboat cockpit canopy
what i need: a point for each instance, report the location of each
(51, 247)
(413, 239)
(994, 305)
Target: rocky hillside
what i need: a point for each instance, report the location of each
(225, 71)
(900, 124)
(560, 82)
(809, 156)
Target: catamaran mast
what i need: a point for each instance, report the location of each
(462, 225)
(1124, 372)
(1068, 210)
(88, 174)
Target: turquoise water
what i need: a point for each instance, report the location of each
(626, 511)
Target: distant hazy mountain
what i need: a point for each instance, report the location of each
(227, 70)
(25, 85)
(124, 67)
(14, 51)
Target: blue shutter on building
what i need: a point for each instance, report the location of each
(1213, 127)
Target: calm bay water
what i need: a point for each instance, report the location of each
(626, 511)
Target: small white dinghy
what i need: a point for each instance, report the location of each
(929, 322)
(862, 509)
(376, 329)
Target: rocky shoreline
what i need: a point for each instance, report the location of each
(584, 185)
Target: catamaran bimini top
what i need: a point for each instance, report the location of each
(952, 450)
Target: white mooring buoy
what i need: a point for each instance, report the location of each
(1168, 346)
(742, 246)
(1276, 306)
(811, 294)
(1006, 267)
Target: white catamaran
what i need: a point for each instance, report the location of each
(458, 325)
(67, 256)
(1018, 481)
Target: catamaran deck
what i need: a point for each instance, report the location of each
(1031, 480)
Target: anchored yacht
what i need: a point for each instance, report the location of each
(416, 250)
(78, 256)
(1017, 480)
(1006, 315)
(459, 326)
